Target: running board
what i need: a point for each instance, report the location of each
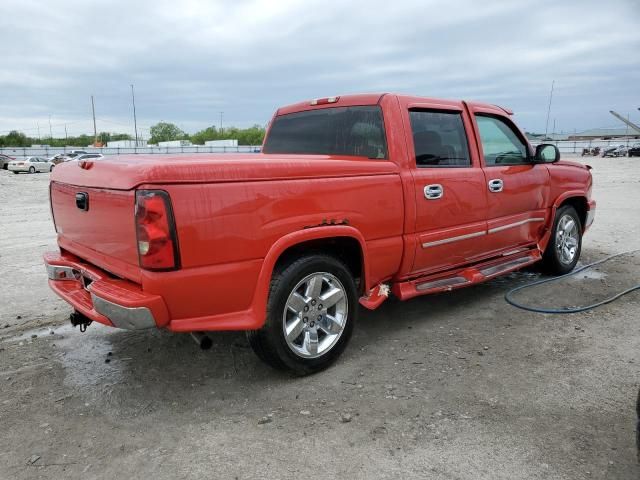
(464, 277)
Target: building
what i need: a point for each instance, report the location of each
(221, 143)
(605, 134)
(126, 144)
(175, 143)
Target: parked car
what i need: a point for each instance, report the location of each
(634, 151)
(352, 198)
(72, 155)
(31, 165)
(59, 158)
(619, 151)
(89, 156)
(4, 161)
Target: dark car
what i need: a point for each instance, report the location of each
(4, 161)
(634, 151)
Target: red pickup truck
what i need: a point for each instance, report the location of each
(351, 199)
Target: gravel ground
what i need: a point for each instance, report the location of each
(453, 386)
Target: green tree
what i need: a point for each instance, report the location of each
(164, 132)
(210, 133)
(245, 136)
(15, 139)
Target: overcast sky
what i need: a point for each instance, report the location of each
(190, 60)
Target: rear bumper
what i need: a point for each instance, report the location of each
(15, 168)
(101, 297)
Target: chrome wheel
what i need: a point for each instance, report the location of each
(315, 315)
(567, 239)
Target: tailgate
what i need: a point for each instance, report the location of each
(103, 233)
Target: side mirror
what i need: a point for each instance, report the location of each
(547, 153)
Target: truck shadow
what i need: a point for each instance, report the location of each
(126, 371)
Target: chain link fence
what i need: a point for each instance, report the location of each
(46, 151)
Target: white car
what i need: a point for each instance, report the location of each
(30, 165)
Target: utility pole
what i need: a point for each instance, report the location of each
(95, 130)
(38, 131)
(50, 131)
(66, 137)
(626, 133)
(546, 128)
(135, 122)
(221, 121)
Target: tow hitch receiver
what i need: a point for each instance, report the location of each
(76, 318)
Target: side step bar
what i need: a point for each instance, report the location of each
(466, 276)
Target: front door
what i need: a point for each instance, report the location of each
(516, 187)
(449, 188)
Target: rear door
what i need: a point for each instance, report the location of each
(449, 187)
(516, 187)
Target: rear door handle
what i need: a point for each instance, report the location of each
(433, 191)
(495, 185)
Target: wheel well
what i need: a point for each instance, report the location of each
(581, 206)
(346, 249)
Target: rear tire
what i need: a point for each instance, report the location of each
(563, 251)
(302, 334)
(15, 172)
(32, 170)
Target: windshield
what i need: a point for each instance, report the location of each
(350, 131)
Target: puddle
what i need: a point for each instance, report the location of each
(516, 277)
(83, 355)
(589, 273)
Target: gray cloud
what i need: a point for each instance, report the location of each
(189, 60)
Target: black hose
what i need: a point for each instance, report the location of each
(508, 295)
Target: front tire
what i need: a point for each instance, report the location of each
(311, 312)
(563, 251)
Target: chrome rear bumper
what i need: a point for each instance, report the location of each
(106, 300)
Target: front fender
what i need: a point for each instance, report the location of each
(581, 194)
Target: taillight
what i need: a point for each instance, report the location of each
(156, 231)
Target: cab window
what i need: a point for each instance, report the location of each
(439, 139)
(349, 131)
(500, 144)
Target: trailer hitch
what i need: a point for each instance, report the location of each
(76, 318)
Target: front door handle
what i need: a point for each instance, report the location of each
(433, 192)
(495, 185)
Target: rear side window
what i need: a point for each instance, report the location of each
(439, 139)
(349, 131)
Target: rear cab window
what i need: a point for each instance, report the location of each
(344, 131)
(439, 139)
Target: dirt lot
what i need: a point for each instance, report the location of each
(454, 386)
